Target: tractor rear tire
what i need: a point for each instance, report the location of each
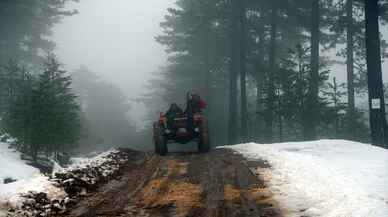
(204, 140)
(160, 141)
(161, 145)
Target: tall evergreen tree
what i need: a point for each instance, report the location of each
(19, 118)
(334, 93)
(270, 108)
(375, 82)
(58, 111)
(282, 47)
(25, 25)
(44, 116)
(350, 64)
(234, 71)
(310, 126)
(11, 76)
(243, 73)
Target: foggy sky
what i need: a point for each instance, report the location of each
(114, 39)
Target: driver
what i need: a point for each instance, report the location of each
(171, 114)
(196, 104)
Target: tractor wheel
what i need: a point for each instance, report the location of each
(204, 140)
(161, 146)
(160, 141)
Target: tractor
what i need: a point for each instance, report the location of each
(187, 127)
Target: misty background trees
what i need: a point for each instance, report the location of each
(46, 108)
(105, 112)
(266, 67)
(25, 27)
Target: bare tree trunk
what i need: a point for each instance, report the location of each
(350, 68)
(259, 108)
(207, 66)
(269, 113)
(301, 87)
(313, 114)
(244, 109)
(259, 86)
(335, 91)
(280, 117)
(234, 71)
(375, 82)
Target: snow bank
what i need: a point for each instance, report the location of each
(12, 166)
(83, 163)
(86, 174)
(28, 179)
(328, 178)
(12, 197)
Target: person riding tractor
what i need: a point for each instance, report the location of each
(183, 127)
(195, 104)
(171, 114)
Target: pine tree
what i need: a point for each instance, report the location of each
(311, 123)
(283, 40)
(375, 84)
(11, 76)
(19, 115)
(24, 27)
(44, 115)
(234, 71)
(243, 71)
(334, 93)
(56, 109)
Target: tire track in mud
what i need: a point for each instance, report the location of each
(218, 184)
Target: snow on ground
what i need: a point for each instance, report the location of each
(327, 178)
(80, 162)
(12, 166)
(30, 179)
(27, 178)
(100, 161)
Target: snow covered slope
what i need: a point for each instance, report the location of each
(27, 179)
(12, 166)
(327, 178)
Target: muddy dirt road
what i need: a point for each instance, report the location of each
(218, 184)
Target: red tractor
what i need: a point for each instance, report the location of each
(186, 128)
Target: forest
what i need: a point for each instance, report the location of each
(47, 108)
(270, 71)
(193, 108)
(269, 68)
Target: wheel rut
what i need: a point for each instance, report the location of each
(217, 184)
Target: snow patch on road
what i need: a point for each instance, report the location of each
(327, 178)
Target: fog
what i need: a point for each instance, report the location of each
(114, 40)
(259, 72)
(117, 42)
